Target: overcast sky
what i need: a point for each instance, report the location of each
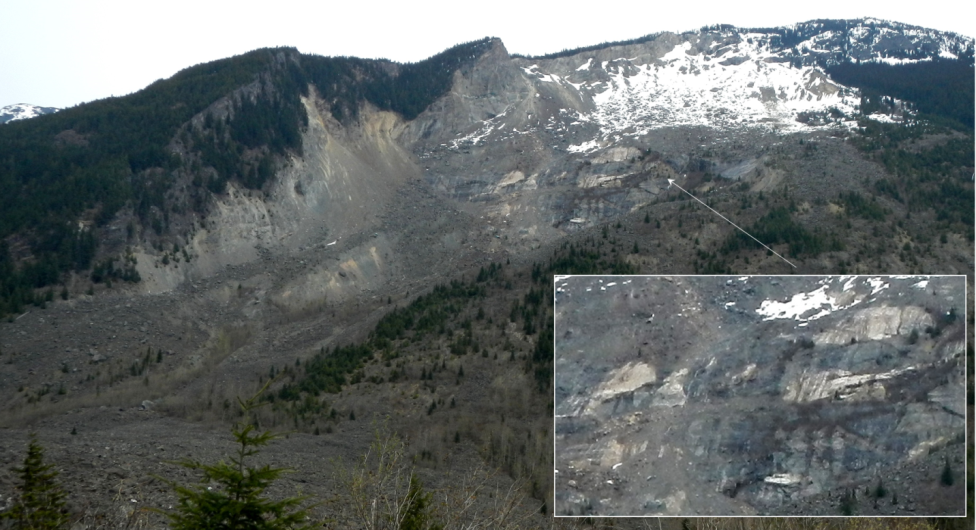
(61, 53)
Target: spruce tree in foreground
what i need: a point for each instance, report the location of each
(230, 495)
(41, 502)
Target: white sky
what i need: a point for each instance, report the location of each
(64, 52)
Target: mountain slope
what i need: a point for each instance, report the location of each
(484, 126)
(159, 157)
(272, 211)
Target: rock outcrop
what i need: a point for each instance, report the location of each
(754, 395)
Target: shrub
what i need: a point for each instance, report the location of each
(382, 489)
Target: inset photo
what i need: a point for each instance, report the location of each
(760, 395)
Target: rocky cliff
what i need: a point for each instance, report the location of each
(758, 395)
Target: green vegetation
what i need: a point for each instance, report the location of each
(327, 371)
(942, 90)
(857, 206)
(89, 162)
(880, 491)
(417, 85)
(40, 504)
(778, 227)
(586, 259)
(506, 444)
(382, 489)
(928, 175)
(84, 157)
(238, 502)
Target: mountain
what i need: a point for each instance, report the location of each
(23, 111)
(379, 239)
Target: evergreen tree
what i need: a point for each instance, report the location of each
(417, 514)
(947, 478)
(879, 490)
(237, 501)
(41, 502)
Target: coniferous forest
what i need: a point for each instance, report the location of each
(65, 175)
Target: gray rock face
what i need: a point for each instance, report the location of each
(561, 143)
(738, 396)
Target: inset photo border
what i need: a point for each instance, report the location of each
(760, 396)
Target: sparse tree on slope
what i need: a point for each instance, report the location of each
(41, 502)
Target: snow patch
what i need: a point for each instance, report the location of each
(683, 89)
(800, 306)
(584, 147)
(885, 118)
(784, 479)
(877, 285)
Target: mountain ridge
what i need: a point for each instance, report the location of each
(239, 118)
(956, 43)
(23, 111)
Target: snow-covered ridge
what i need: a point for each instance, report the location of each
(723, 78)
(833, 294)
(718, 82)
(737, 85)
(23, 111)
